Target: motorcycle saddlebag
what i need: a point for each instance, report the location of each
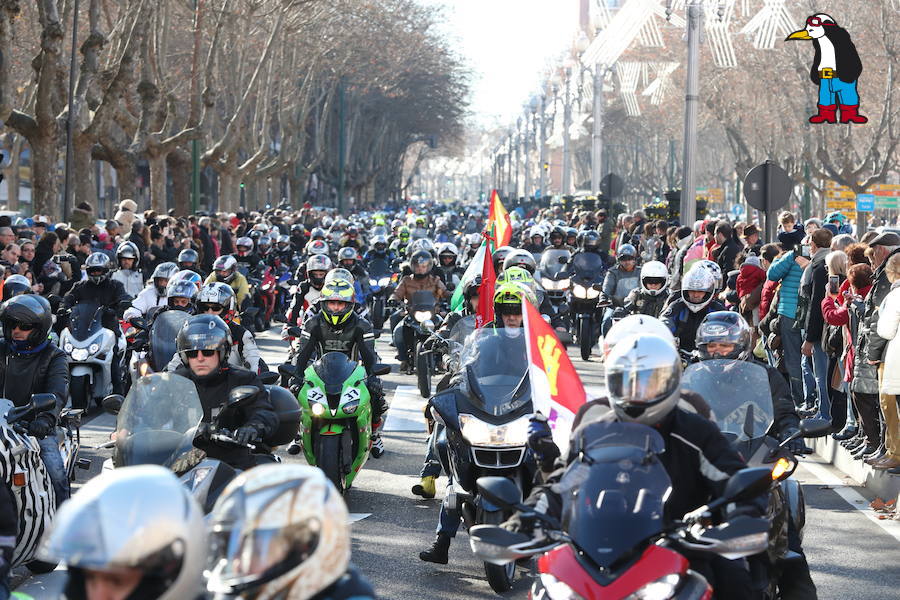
(288, 410)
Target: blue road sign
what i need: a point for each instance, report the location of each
(865, 202)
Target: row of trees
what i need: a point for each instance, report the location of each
(271, 90)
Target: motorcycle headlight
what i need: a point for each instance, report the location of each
(429, 324)
(661, 589)
(552, 286)
(556, 589)
(584, 293)
(422, 315)
(317, 409)
(79, 354)
(479, 433)
(384, 281)
(373, 283)
(94, 348)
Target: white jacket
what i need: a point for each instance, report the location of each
(146, 299)
(132, 280)
(888, 322)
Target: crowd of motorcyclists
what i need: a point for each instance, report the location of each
(91, 312)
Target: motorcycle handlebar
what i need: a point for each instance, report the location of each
(221, 437)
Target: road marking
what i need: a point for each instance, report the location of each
(851, 497)
(354, 517)
(405, 413)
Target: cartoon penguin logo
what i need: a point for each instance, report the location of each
(835, 69)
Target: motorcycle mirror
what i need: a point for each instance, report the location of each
(499, 490)
(740, 537)
(42, 402)
(814, 428)
(113, 403)
(287, 369)
(295, 331)
(269, 377)
(747, 484)
(497, 545)
(138, 322)
(380, 369)
(240, 395)
(546, 318)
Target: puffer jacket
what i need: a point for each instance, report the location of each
(785, 270)
(409, 285)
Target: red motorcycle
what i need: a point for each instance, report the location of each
(267, 291)
(613, 542)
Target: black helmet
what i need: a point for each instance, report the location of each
(557, 233)
(590, 240)
(188, 256)
(204, 332)
(725, 327)
(97, 267)
(30, 310)
(16, 285)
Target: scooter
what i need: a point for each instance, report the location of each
(588, 270)
(336, 415)
(485, 431)
(26, 477)
(618, 544)
(91, 348)
(382, 287)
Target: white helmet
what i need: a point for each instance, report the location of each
(713, 268)
(279, 531)
(654, 272)
(139, 517)
(698, 279)
(643, 378)
(635, 324)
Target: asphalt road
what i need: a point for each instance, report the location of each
(851, 557)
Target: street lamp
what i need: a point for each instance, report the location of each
(532, 108)
(567, 124)
(542, 147)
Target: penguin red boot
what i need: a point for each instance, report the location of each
(850, 114)
(827, 114)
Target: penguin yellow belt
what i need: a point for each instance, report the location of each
(827, 74)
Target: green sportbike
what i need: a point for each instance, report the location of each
(336, 415)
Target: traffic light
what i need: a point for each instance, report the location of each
(546, 166)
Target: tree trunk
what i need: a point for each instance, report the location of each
(44, 184)
(157, 164)
(84, 186)
(229, 192)
(13, 179)
(179, 166)
(126, 176)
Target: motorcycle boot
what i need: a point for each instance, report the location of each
(426, 487)
(438, 551)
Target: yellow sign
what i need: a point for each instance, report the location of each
(550, 353)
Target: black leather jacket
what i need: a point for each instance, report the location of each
(110, 293)
(354, 338)
(43, 371)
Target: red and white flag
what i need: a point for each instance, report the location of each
(485, 311)
(556, 389)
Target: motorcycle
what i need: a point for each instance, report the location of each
(485, 422)
(26, 476)
(252, 311)
(620, 545)
(418, 325)
(159, 420)
(153, 349)
(382, 287)
(587, 272)
(91, 350)
(740, 402)
(268, 294)
(336, 415)
(442, 351)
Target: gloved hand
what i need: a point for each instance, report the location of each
(796, 446)
(42, 426)
(538, 432)
(246, 434)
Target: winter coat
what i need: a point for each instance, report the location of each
(888, 323)
(839, 313)
(813, 291)
(81, 218)
(618, 283)
(785, 270)
(749, 278)
(769, 289)
(125, 214)
(875, 344)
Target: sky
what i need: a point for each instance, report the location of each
(508, 44)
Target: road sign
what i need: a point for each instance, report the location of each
(767, 188)
(737, 211)
(612, 186)
(865, 203)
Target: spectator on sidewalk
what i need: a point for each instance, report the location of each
(887, 325)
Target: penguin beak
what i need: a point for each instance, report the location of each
(799, 35)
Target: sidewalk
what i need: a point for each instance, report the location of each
(879, 482)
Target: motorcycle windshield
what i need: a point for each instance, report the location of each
(85, 320)
(422, 301)
(554, 263)
(462, 329)
(163, 334)
(588, 266)
(333, 369)
(738, 395)
(496, 366)
(378, 268)
(614, 494)
(153, 424)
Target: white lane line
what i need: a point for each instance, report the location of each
(405, 413)
(354, 517)
(851, 497)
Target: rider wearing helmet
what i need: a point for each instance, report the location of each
(180, 295)
(189, 260)
(99, 289)
(337, 328)
(154, 294)
(622, 278)
(591, 242)
(508, 299)
(348, 258)
(282, 254)
(128, 273)
(535, 243)
(643, 381)
(499, 255)
(246, 253)
(297, 524)
(308, 291)
(448, 265)
(16, 285)
(651, 296)
(520, 258)
(697, 299)
(380, 251)
(421, 280)
(101, 536)
(225, 271)
(31, 364)
(352, 239)
(263, 247)
(218, 299)
(204, 344)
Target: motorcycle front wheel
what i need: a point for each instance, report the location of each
(378, 313)
(329, 460)
(423, 371)
(585, 337)
(500, 577)
(80, 391)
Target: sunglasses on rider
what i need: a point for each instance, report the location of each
(204, 307)
(194, 353)
(20, 326)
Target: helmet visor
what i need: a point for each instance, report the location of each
(643, 383)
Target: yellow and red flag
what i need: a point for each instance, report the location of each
(499, 226)
(556, 389)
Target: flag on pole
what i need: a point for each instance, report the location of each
(485, 312)
(472, 271)
(556, 389)
(499, 225)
